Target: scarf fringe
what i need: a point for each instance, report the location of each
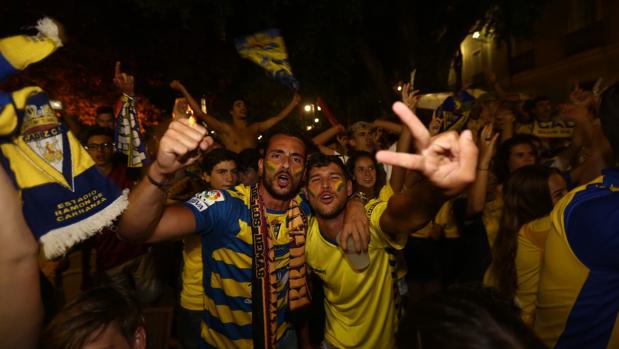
(47, 27)
(56, 242)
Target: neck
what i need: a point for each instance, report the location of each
(105, 169)
(270, 202)
(331, 226)
(239, 122)
(370, 192)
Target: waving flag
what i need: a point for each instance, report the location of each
(267, 49)
(455, 110)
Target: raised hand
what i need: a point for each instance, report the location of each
(435, 124)
(180, 146)
(486, 143)
(123, 81)
(176, 85)
(296, 99)
(448, 160)
(409, 98)
(579, 96)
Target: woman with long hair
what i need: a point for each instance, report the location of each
(529, 195)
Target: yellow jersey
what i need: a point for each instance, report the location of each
(360, 306)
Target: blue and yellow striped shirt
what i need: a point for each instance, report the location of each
(223, 220)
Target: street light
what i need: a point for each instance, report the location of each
(308, 108)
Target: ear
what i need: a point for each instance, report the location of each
(261, 167)
(304, 189)
(206, 177)
(349, 187)
(139, 338)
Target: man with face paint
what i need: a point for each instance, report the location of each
(252, 237)
(360, 306)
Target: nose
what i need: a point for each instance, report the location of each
(325, 183)
(286, 162)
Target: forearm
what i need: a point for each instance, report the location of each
(398, 173)
(197, 109)
(391, 127)
(412, 209)
(325, 136)
(476, 198)
(20, 304)
(270, 122)
(146, 205)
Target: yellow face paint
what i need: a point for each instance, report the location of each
(296, 170)
(271, 167)
(339, 185)
(312, 192)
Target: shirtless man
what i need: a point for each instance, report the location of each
(240, 134)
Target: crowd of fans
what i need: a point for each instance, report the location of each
(491, 226)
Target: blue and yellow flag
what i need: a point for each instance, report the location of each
(127, 136)
(455, 110)
(267, 49)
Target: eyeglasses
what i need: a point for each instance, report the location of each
(101, 147)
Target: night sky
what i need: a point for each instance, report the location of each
(350, 53)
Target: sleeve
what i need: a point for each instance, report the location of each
(378, 239)
(386, 192)
(528, 266)
(590, 220)
(211, 209)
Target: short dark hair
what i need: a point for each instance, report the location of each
(105, 109)
(97, 131)
(215, 156)
(474, 317)
(92, 312)
(318, 159)
(609, 116)
(248, 158)
(285, 131)
(233, 99)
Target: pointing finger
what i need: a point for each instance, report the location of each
(418, 130)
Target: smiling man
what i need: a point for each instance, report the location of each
(252, 237)
(360, 305)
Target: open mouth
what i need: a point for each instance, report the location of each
(326, 198)
(283, 179)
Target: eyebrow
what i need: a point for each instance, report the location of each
(281, 151)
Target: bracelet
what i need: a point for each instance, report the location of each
(361, 196)
(163, 186)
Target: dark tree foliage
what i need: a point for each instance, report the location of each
(349, 52)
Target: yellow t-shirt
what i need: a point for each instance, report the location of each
(443, 224)
(192, 294)
(491, 216)
(360, 306)
(531, 240)
(386, 192)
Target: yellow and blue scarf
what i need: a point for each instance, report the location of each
(65, 198)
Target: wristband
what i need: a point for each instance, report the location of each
(163, 186)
